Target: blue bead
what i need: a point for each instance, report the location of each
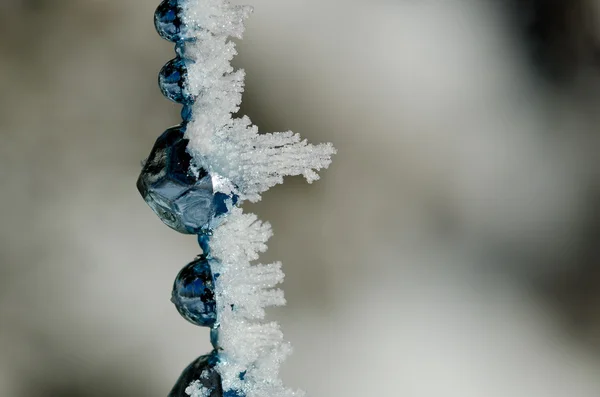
(203, 369)
(172, 80)
(167, 21)
(194, 293)
(182, 199)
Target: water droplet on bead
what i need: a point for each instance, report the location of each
(183, 199)
(194, 293)
(167, 21)
(172, 81)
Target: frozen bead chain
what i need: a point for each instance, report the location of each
(195, 178)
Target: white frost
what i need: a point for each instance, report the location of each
(196, 389)
(246, 163)
(243, 290)
(233, 147)
(216, 16)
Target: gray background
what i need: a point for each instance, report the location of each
(451, 249)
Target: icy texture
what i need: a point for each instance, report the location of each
(232, 147)
(177, 20)
(216, 16)
(242, 164)
(193, 293)
(181, 195)
(243, 290)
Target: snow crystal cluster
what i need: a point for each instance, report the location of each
(250, 346)
(232, 147)
(226, 162)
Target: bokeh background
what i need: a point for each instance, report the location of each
(452, 249)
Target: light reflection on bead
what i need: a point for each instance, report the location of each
(172, 81)
(167, 21)
(194, 293)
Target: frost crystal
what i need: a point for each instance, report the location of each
(242, 164)
(232, 147)
(196, 389)
(216, 16)
(242, 293)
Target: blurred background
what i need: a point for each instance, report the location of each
(451, 249)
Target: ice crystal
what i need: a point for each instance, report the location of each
(196, 389)
(233, 147)
(172, 81)
(242, 292)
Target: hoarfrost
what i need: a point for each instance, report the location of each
(233, 147)
(196, 389)
(246, 163)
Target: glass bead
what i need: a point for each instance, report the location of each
(182, 199)
(203, 369)
(167, 21)
(172, 80)
(194, 293)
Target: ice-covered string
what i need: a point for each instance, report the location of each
(195, 178)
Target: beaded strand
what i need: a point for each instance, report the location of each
(191, 198)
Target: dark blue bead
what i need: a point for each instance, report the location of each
(203, 369)
(182, 199)
(172, 80)
(167, 21)
(194, 293)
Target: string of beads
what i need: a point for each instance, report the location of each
(184, 199)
